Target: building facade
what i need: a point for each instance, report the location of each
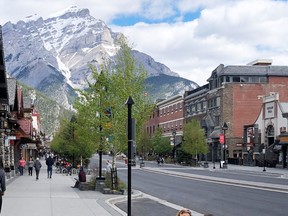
(168, 115)
(232, 98)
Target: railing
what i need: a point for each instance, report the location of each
(270, 156)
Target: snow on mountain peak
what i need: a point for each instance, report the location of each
(33, 17)
(71, 11)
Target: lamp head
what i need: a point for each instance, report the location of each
(225, 126)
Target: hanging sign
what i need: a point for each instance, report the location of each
(221, 139)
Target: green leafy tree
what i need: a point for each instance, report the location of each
(67, 144)
(161, 145)
(145, 145)
(102, 114)
(194, 142)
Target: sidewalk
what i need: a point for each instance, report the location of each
(280, 171)
(52, 197)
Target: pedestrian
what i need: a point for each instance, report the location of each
(30, 166)
(49, 163)
(81, 177)
(22, 164)
(108, 166)
(37, 166)
(184, 212)
(2, 182)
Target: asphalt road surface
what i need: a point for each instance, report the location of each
(145, 207)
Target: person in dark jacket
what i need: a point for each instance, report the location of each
(49, 163)
(2, 182)
(37, 166)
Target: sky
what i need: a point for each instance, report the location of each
(191, 37)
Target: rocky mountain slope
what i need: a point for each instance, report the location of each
(53, 55)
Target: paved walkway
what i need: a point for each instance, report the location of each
(52, 197)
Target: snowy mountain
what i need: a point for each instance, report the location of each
(53, 55)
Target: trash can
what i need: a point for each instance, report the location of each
(206, 165)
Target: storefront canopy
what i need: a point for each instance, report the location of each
(215, 134)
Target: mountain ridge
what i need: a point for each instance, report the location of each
(53, 55)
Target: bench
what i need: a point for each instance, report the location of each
(84, 186)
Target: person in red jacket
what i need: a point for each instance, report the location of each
(22, 164)
(81, 177)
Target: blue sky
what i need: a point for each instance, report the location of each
(191, 37)
(176, 16)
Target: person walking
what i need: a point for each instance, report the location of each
(22, 164)
(49, 163)
(37, 166)
(2, 182)
(30, 166)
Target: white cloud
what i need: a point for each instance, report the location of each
(227, 31)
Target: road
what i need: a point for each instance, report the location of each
(214, 197)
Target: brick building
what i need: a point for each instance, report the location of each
(168, 115)
(233, 96)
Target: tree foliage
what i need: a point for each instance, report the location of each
(194, 142)
(67, 143)
(161, 145)
(101, 117)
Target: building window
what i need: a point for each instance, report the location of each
(217, 120)
(244, 79)
(236, 79)
(263, 79)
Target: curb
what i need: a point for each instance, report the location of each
(112, 201)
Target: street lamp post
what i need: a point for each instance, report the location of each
(224, 128)
(174, 143)
(213, 155)
(264, 151)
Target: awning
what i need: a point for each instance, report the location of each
(215, 134)
(278, 142)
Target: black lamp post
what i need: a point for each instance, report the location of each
(101, 88)
(213, 155)
(174, 143)
(224, 128)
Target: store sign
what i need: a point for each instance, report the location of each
(270, 110)
(283, 139)
(11, 137)
(31, 146)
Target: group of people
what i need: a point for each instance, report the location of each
(36, 165)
